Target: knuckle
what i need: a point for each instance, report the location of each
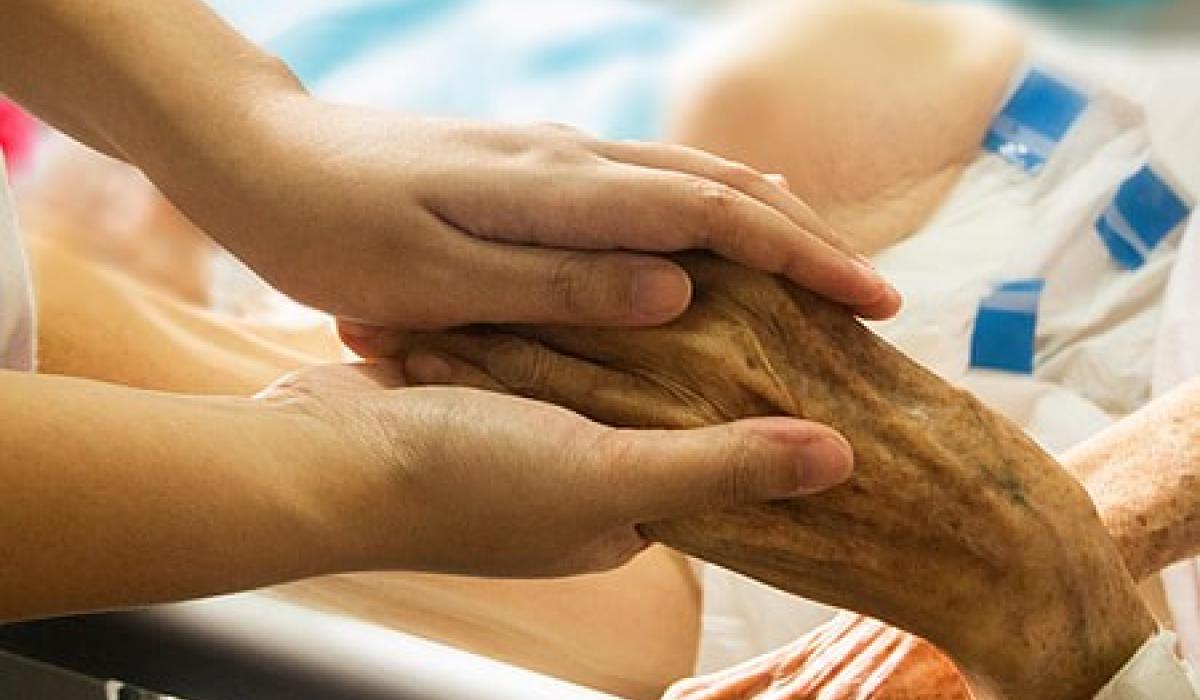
(558, 144)
(716, 206)
(518, 364)
(566, 280)
(741, 479)
(580, 288)
(613, 448)
(740, 176)
(553, 128)
(617, 458)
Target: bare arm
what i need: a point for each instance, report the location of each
(128, 77)
(116, 496)
(1141, 473)
(1144, 476)
(629, 632)
(100, 324)
(328, 202)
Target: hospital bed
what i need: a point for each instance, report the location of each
(255, 646)
(250, 647)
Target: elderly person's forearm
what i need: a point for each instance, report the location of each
(1144, 476)
(1139, 472)
(955, 525)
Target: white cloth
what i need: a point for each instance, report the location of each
(1177, 359)
(1096, 327)
(1097, 321)
(743, 618)
(1154, 673)
(17, 334)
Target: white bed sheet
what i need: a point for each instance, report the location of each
(984, 232)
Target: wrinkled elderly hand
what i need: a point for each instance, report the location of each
(463, 481)
(954, 526)
(851, 657)
(1139, 474)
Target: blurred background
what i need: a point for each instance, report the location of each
(828, 92)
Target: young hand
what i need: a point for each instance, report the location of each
(473, 482)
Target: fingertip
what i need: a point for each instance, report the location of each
(883, 308)
(823, 463)
(425, 367)
(661, 291)
(818, 455)
(594, 288)
(872, 296)
(363, 339)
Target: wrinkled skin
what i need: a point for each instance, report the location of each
(955, 526)
(1140, 473)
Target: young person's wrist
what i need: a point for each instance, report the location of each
(340, 481)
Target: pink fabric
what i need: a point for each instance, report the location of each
(18, 131)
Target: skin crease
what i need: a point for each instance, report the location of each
(377, 217)
(162, 84)
(629, 632)
(512, 620)
(330, 445)
(795, 177)
(1139, 472)
(828, 86)
(201, 361)
(943, 491)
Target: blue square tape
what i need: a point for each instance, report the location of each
(1034, 120)
(1143, 213)
(1006, 327)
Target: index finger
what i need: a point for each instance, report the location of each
(691, 211)
(694, 161)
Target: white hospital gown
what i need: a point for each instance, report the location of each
(1177, 359)
(17, 334)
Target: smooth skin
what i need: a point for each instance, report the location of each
(116, 497)
(630, 632)
(397, 220)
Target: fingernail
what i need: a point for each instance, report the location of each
(886, 289)
(864, 264)
(823, 462)
(660, 292)
(426, 368)
(778, 180)
(360, 332)
(894, 299)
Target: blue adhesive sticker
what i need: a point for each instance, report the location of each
(1005, 327)
(1034, 120)
(1143, 213)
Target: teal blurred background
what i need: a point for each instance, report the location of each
(1178, 18)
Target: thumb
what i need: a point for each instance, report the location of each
(674, 473)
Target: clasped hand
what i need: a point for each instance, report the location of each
(390, 222)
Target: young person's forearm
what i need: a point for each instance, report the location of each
(117, 497)
(133, 78)
(96, 323)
